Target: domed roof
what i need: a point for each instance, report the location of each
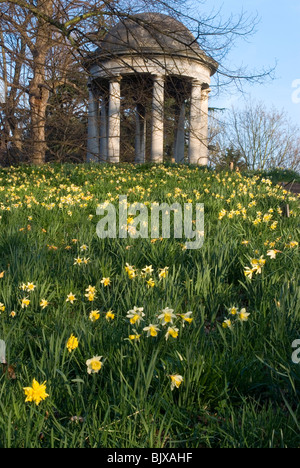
(150, 33)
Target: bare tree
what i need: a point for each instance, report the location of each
(263, 137)
(11, 63)
(34, 47)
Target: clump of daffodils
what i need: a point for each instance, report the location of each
(81, 261)
(130, 270)
(147, 274)
(166, 318)
(28, 287)
(235, 315)
(91, 293)
(257, 265)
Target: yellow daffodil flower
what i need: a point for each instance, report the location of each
(36, 393)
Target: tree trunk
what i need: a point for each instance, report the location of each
(38, 99)
(38, 90)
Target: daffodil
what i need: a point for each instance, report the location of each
(36, 393)
(25, 302)
(130, 270)
(293, 244)
(273, 226)
(167, 316)
(172, 331)
(163, 272)
(91, 290)
(248, 272)
(135, 315)
(243, 315)
(30, 287)
(72, 343)
(176, 381)
(78, 261)
(147, 270)
(134, 337)
(44, 304)
(94, 365)
(267, 218)
(71, 298)
(150, 283)
(105, 281)
(222, 214)
(152, 330)
(227, 323)
(90, 296)
(186, 317)
(109, 315)
(257, 264)
(272, 253)
(94, 315)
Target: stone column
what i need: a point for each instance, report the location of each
(204, 126)
(114, 119)
(179, 137)
(198, 125)
(140, 134)
(103, 129)
(93, 127)
(157, 131)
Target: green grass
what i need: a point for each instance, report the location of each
(279, 175)
(240, 387)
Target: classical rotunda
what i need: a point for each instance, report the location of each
(149, 58)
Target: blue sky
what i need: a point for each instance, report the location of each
(276, 42)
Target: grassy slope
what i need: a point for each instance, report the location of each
(240, 386)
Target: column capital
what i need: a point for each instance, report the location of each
(205, 92)
(158, 77)
(91, 86)
(94, 89)
(115, 79)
